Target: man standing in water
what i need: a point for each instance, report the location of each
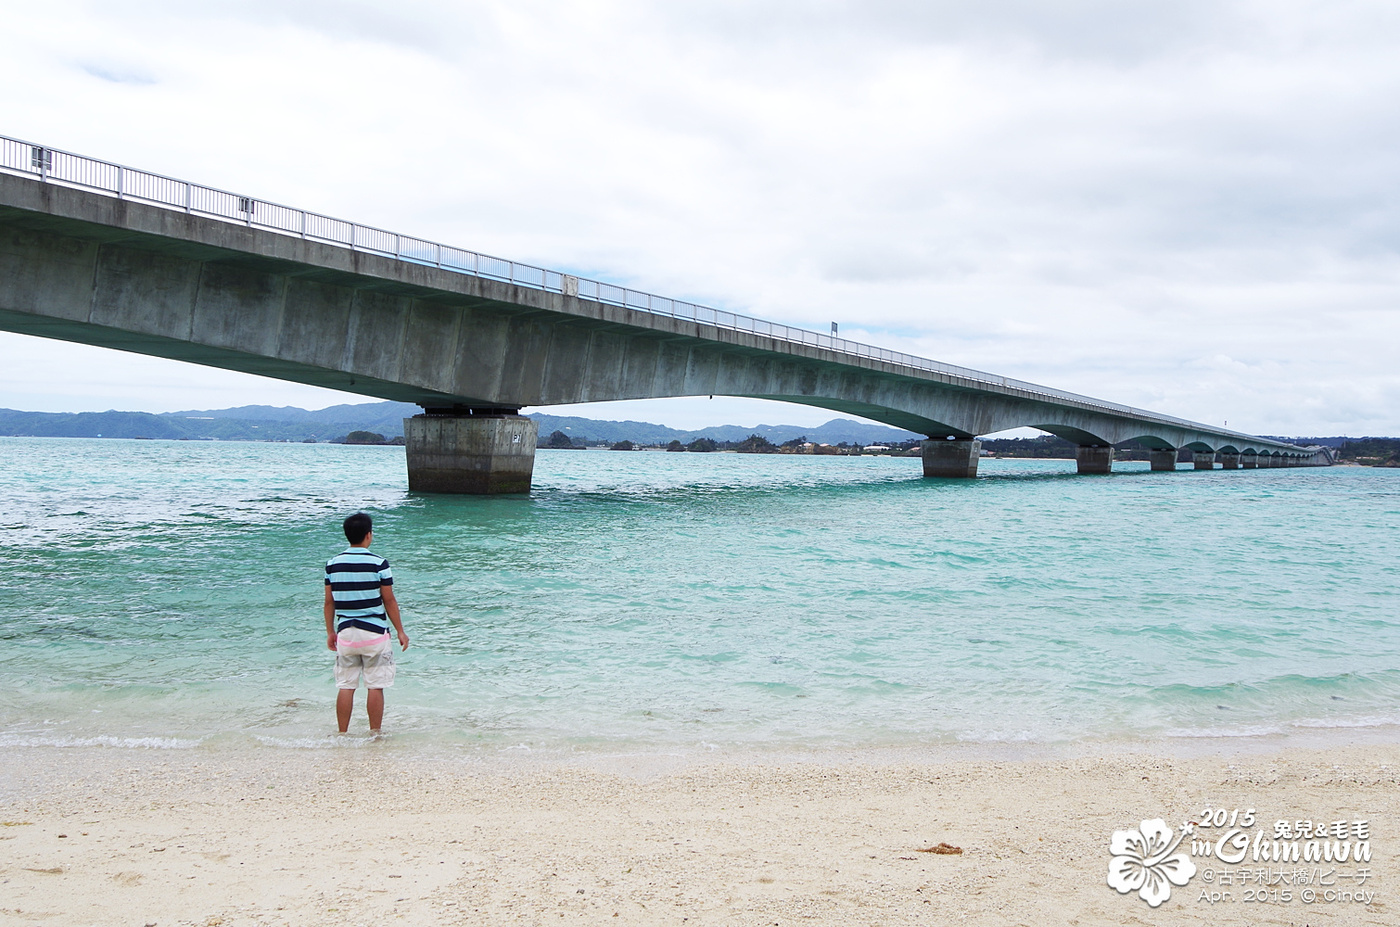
(359, 606)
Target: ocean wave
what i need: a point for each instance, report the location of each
(100, 740)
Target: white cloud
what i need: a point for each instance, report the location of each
(1099, 195)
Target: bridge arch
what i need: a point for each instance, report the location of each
(1153, 442)
(1074, 435)
(895, 418)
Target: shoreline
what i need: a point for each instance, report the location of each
(614, 755)
(346, 837)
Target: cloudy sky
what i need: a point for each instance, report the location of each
(1189, 207)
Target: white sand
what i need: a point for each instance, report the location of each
(369, 836)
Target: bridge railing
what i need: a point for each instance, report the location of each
(61, 167)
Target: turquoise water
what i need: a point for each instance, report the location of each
(168, 594)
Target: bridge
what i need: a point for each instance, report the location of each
(102, 254)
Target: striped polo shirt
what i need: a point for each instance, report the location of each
(355, 577)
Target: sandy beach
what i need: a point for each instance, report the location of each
(369, 836)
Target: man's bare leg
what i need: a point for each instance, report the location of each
(375, 703)
(345, 704)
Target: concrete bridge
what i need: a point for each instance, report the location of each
(102, 254)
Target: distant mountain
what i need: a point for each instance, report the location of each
(359, 414)
(287, 423)
(835, 431)
(248, 423)
(90, 425)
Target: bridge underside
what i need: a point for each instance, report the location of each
(81, 267)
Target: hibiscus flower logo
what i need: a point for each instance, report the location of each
(1143, 861)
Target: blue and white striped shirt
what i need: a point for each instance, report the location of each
(355, 577)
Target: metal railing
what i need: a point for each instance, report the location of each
(61, 167)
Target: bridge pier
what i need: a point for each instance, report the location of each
(1094, 459)
(476, 452)
(953, 458)
(1204, 460)
(1163, 460)
(1229, 461)
(1249, 461)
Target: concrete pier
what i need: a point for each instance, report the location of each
(1094, 459)
(474, 453)
(951, 458)
(1163, 460)
(1229, 461)
(1249, 461)
(1204, 461)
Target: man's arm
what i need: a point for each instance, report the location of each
(391, 608)
(329, 609)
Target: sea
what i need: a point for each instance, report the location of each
(167, 596)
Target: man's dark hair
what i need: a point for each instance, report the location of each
(357, 526)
